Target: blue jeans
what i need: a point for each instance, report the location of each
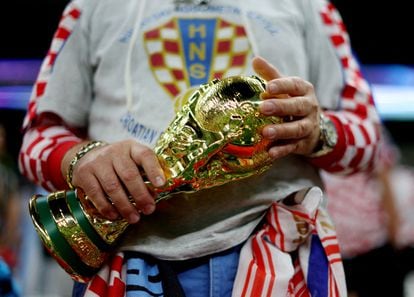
(206, 277)
(211, 279)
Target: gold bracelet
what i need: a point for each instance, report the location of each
(82, 152)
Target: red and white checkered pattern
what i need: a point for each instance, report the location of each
(38, 144)
(66, 24)
(355, 205)
(232, 49)
(164, 48)
(165, 53)
(358, 117)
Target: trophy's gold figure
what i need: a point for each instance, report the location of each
(215, 138)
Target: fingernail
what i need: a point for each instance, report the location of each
(159, 181)
(267, 107)
(148, 209)
(133, 218)
(269, 132)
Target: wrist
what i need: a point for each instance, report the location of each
(74, 156)
(69, 155)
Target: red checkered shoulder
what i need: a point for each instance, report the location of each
(67, 22)
(358, 121)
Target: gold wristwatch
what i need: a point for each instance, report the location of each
(328, 137)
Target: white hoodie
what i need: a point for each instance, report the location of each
(126, 62)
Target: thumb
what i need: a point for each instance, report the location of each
(264, 69)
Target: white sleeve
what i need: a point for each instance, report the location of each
(64, 83)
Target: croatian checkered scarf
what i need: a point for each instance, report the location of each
(294, 254)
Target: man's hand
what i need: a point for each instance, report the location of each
(110, 174)
(293, 99)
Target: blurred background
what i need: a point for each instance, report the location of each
(380, 34)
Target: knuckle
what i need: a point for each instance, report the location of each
(129, 175)
(146, 152)
(112, 186)
(93, 191)
(297, 84)
(301, 130)
(301, 107)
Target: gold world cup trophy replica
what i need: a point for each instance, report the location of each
(215, 138)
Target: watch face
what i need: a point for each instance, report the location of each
(328, 137)
(329, 132)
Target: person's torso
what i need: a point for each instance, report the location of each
(168, 50)
(176, 48)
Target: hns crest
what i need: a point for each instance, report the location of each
(189, 52)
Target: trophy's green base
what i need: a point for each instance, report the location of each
(79, 243)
